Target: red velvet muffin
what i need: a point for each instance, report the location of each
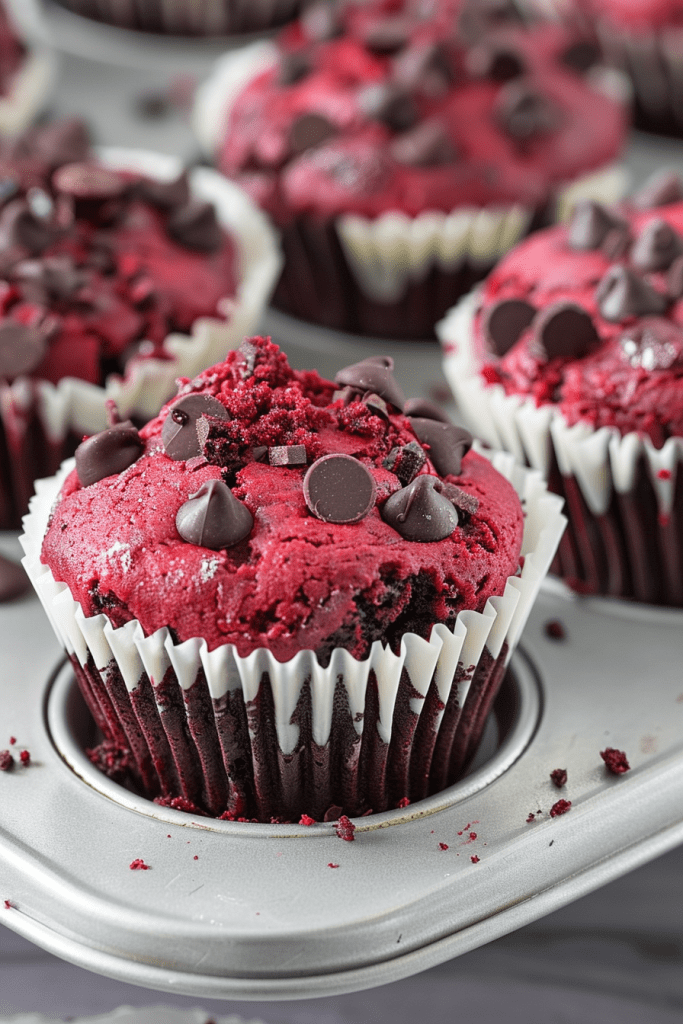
(101, 266)
(403, 147)
(571, 356)
(280, 568)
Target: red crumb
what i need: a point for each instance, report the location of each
(8, 905)
(12, 740)
(561, 807)
(306, 819)
(138, 865)
(555, 630)
(443, 846)
(559, 777)
(664, 474)
(25, 758)
(474, 859)
(531, 817)
(331, 865)
(6, 761)
(403, 802)
(345, 829)
(490, 374)
(196, 857)
(615, 760)
(473, 835)
(179, 803)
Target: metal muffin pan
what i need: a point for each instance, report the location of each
(260, 913)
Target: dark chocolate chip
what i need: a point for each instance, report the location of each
(656, 247)
(65, 142)
(57, 276)
(166, 195)
(109, 452)
(523, 113)
(179, 432)
(498, 62)
(376, 405)
(213, 518)
(390, 104)
(426, 145)
(406, 462)
(674, 279)
(21, 349)
(425, 409)
(660, 189)
(581, 56)
(346, 395)
(419, 512)
(294, 65)
(89, 181)
(321, 21)
(20, 228)
(564, 331)
(505, 323)
(287, 455)
(339, 489)
(425, 70)
(654, 343)
(260, 453)
(461, 499)
(590, 224)
(446, 444)
(308, 131)
(622, 294)
(374, 375)
(195, 226)
(616, 243)
(13, 580)
(387, 35)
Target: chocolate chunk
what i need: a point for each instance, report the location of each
(21, 349)
(446, 444)
(195, 226)
(13, 580)
(109, 452)
(321, 21)
(419, 512)
(179, 432)
(622, 294)
(89, 181)
(660, 189)
(498, 62)
(345, 395)
(65, 142)
(390, 104)
(387, 35)
(20, 228)
(294, 65)
(467, 503)
(339, 489)
(425, 409)
(523, 113)
(656, 247)
(654, 343)
(581, 56)
(591, 223)
(374, 375)
(564, 331)
(425, 70)
(287, 455)
(406, 462)
(308, 131)
(674, 279)
(505, 323)
(213, 518)
(166, 195)
(426, 145)
(376, 405)
(260, 453)
(57, 276)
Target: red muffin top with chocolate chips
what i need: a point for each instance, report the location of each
(97, 265)
(590, 316)
(267, 507)
(416, 105)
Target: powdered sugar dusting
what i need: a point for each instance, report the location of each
(207, 570)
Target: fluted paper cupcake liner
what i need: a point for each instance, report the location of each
(190, 17)
(261, 738)
(623, 497)
(40, 423)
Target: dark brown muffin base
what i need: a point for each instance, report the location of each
(214, 17)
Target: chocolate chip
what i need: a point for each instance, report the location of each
(616, 243)
(674, 279)
(195, 226)
(656, 247)
(419, 512)
(339, 489)
(581, 56)
(166, 195)
(179, 432)
(426, 145)
(390, 104)
(21, 349)
(467, 503)
(213, 518)
(500, 63)
(287, 455)
(346, 395)
(321, 21)
(425, 409)
(653, 344)
(660, 189)
(376, 405)
(65, 142)
(308, 131)
(260, 453)
(505, 322)
(57, 276)
(20, 228)
(109, 452)
(424, 69)
(622, 294)
(405, 462)
(88, 181)
(387, 35)
(446, 444)
(523, 113)
(590, 224)
(13, 580)
(294, 65)
(375, 375)
(564, 331)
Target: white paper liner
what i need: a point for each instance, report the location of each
(447, 652)
(599, 459)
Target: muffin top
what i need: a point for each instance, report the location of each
(416, 105)
(97, 265)
(267, 507)
(589, 316)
